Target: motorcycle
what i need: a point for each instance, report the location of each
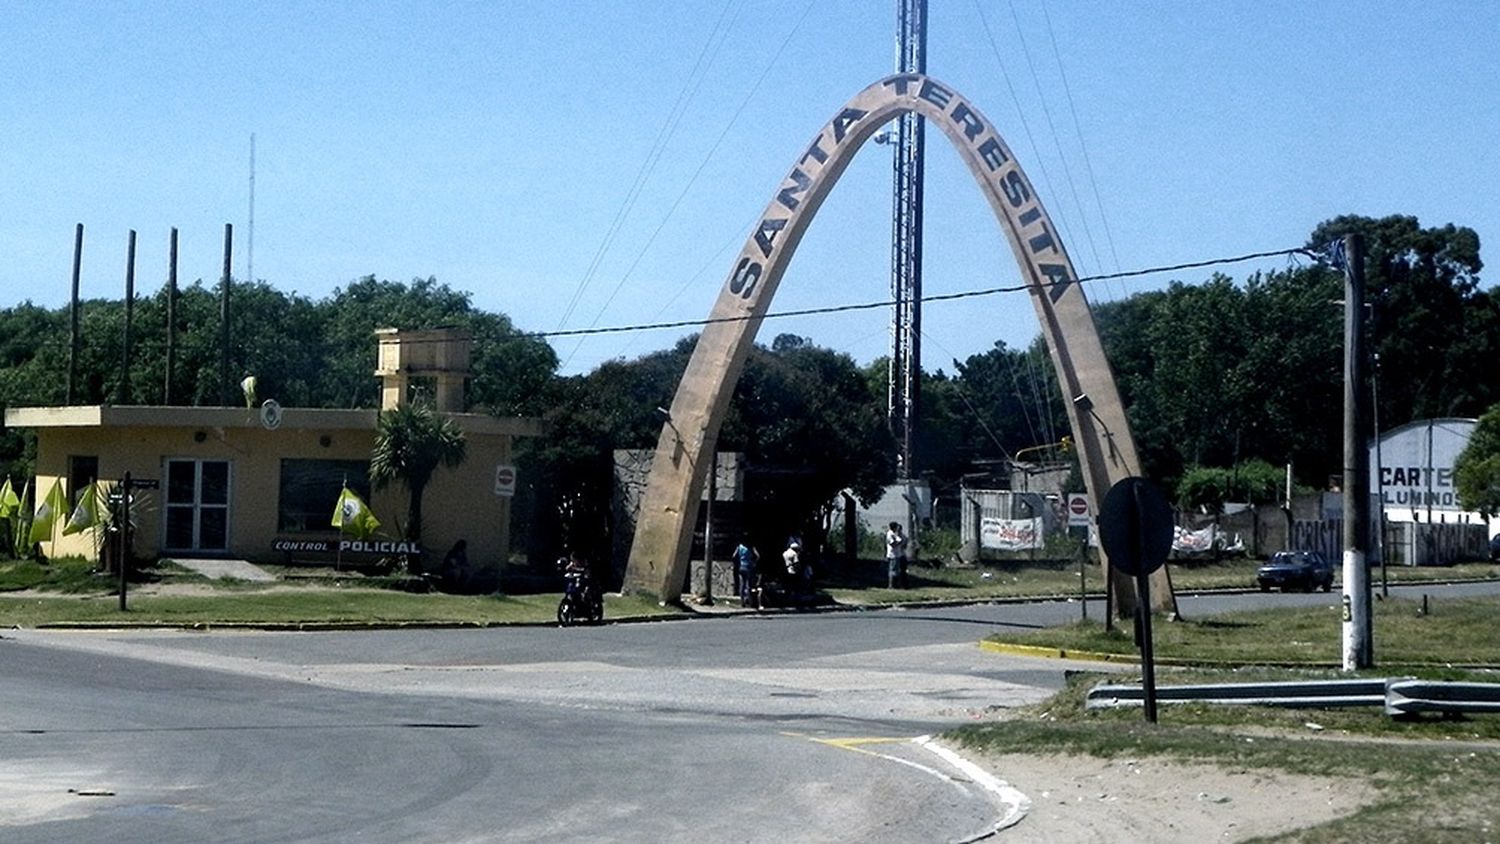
(581, 600)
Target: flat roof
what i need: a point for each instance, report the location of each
(292, 418)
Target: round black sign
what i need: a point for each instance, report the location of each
(1135, 526)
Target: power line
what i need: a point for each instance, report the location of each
(886, 303)
(672, 209)
(1082, 146)
(690, 85)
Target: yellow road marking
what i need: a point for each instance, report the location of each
(853, 743)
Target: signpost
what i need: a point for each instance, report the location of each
(1135, 529)
(505, 481)
(127, 485)
(1078, 516)
(1078, 510)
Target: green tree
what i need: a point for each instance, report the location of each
(1431, 323)
(807, 416)
(510, 370)
(411, 443)
(1476, 472)
(803, 415)
(1209, 488)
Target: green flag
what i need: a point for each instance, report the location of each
(353, 516)
(10, 504)
(47, 513)
(88, 512)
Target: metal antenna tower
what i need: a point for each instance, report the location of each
(906, 244)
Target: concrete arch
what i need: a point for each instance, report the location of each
(669, 507)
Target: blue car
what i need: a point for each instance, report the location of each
(1295, 569)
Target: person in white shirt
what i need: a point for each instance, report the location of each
(895, 557)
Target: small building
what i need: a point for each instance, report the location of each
(261, 483)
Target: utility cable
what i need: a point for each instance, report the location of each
(690, 85)
(1088, 165)
(1078, 129)
(1036, 80)
(939, 297)
(958, 369)
(691, 181)
(1061, 220)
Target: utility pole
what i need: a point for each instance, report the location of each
(224, 319)
(124, 391)
(171, 362)
(1358, 650)
(73, 316)
(905, 377)
(250, 240)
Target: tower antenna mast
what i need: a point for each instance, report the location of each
(905, 387)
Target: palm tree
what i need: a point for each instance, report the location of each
(411, 442)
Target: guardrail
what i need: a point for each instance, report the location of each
(1399, 695)
(1407, 697)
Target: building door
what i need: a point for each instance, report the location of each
(197, 504)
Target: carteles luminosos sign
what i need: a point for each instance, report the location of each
(1416, 465)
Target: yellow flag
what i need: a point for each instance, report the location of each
(352, 516)
(51, 509)
(10, 503)
(88, 512)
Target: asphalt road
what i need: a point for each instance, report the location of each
(788, 728)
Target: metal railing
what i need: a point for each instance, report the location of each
(1399, 695)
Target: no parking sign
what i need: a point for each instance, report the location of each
(505, 481)
(1078, 509)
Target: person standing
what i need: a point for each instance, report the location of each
(791, 558)
(745, 559)
(895, 557)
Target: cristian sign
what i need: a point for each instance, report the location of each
(344, 546)
(1413, 465)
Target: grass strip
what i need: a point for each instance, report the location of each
(1436, 778)
(1453, 631)
(864, 582)
(293, 607)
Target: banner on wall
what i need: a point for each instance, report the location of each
(1010, 534)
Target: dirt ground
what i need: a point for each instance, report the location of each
(1082, 799)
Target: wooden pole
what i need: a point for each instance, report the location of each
(1358, 651)
(73, 317)
(123, 396)
(224, 319)
(171, 362)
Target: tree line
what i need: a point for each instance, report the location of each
(1215, 374)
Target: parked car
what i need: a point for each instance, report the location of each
(1295, 569)
(1495, 548)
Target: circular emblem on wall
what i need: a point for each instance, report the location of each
(270, 415)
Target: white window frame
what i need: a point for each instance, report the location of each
(197, 505)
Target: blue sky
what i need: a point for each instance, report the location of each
(494, 145)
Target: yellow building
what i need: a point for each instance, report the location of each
(261, 483)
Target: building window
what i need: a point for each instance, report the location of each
(82, 471)
(310, 490)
